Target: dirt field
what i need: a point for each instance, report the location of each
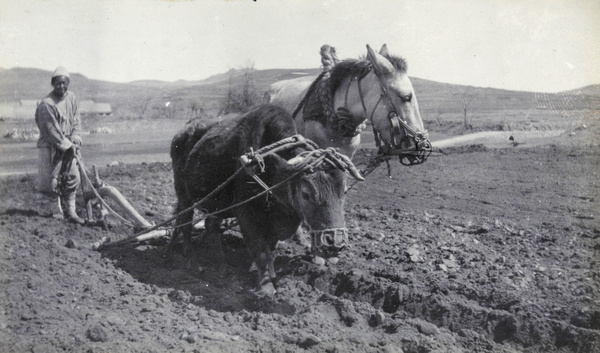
(478, 250)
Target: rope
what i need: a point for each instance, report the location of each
(373, 164)
(277, 146)
(192, 207)
(285, 143)
(311, 159)
(207, 214)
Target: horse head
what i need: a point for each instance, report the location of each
(384, 95)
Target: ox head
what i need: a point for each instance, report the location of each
(316, 192)
(395, 117)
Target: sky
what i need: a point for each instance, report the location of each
(528, 45)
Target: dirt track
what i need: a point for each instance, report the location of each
(478, 250)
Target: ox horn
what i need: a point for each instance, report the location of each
(296, 160)
(351, 168)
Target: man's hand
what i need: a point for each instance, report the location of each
(76, 140)
(70, 153)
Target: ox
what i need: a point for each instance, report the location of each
(204, 158)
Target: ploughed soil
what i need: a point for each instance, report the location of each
(478, 250)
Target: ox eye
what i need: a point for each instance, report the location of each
(405, 98)
(305, 195)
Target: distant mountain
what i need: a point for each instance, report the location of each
(126, 98)
(591, 90)
(27, 83)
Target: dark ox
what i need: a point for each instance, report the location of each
(205, 157)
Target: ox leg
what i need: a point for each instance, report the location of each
(183, 225)
(263, 257)
(213, 238)
(266, 272)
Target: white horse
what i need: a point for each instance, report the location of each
(332, 109)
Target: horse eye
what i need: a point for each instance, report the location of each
(406, 98)
(305, 195)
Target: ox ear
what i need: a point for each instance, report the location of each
(382, 65)
(384, 51)
(276, 165)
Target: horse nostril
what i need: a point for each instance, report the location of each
(424, 145)
(408, 144)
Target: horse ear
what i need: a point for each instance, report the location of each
(384, 51)
(382, 65)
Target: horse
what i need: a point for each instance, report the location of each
(332, 109)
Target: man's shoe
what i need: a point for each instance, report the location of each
(70, 212)
(55, 208)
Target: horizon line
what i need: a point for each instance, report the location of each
(293, 69)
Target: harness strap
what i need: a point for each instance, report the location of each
(395, 128)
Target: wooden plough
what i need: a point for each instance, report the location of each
(95, 194)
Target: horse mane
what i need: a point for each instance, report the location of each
(359, 68)
(317, 104)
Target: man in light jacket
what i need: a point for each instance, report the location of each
(59, 122)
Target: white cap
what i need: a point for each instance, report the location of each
(60, 71)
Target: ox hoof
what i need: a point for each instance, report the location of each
(266, 290)
(319, 261)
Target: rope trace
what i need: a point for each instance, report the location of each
(310, 160)
(248, 158)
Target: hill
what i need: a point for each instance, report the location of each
(129, 98)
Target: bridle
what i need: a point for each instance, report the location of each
(400, 129)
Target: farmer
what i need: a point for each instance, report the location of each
(59, 122)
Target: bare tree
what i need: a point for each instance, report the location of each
(244, 95)
(166, 109)
(169, 109)
(143, 104)
(196, 109)
(438, 114)
(466, 98)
